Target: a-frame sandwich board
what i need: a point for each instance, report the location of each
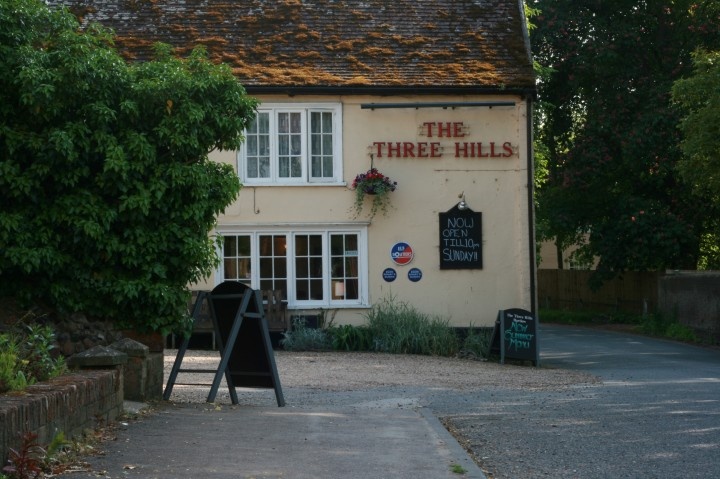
(247, 358)
(246, 355)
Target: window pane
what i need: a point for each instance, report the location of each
(284, 145)
(352, 290)
(230, 246)
(351, 267)
(345, 266)
(301, 269)
(273, 262)
(327, 145)
(289, 145)
(316, 245)
(316, 167)
(252, 168)
(280, 268)
(265, 168)
(263, 121)
(236, 258)
(336, 245)
(351, 243)
(316, 270)
(295, 145)
(337, 268)
(296, 167)
(301, 245)
(302, 290)
(321, 145)
(309, 269)
(316, 289)
(283, 123)
(315, 122)
(266, 267)
(257, 146)
(295, 122)
(230, 268)
(284, 168)
(279, 245)
(264, 145)
(244, 245)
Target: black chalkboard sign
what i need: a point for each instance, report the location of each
(247, 358)
(515, 336)
(460, 239)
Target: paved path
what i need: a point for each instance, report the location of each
(656, 413)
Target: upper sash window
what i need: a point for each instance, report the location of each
(293, 144)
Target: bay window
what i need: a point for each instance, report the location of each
(313, 267)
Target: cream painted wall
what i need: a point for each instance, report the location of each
(496, 187)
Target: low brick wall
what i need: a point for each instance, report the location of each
(71, 403)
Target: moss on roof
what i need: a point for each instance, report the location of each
(416, 43)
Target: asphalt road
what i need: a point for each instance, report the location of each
(654, 414)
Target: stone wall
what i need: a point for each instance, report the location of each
(693, 297)
(72, 403)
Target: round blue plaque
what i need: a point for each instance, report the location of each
(415, 275)
(389, 275)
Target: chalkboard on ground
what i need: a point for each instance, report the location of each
(515, 336)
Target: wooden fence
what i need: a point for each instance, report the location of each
(633, 292)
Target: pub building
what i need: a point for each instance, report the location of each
(436, 95)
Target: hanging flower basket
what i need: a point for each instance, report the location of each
(374, 184)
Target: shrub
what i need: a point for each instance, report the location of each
(476, 342)
(108, 196)
(662, 326)
(399, 328)
(351, 338)
(303, 338)
(26, 356)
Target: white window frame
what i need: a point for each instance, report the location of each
(290, 232)
(306, 109)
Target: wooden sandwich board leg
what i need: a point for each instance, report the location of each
(183, 347)
(269, 355)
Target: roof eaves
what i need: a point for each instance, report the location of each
(387, 90)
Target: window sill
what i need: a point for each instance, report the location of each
(294, 185)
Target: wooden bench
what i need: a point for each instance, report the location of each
(275, 315)
(275, 310)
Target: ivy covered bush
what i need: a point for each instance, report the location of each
(108, 194)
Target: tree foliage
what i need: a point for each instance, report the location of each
(699, 97)
(107, 192)
(609, 129)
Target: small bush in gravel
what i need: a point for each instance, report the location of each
(399, 328)
(351, 338)
(302, 338)
(476, 343)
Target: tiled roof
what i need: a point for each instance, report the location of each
(333, 43)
